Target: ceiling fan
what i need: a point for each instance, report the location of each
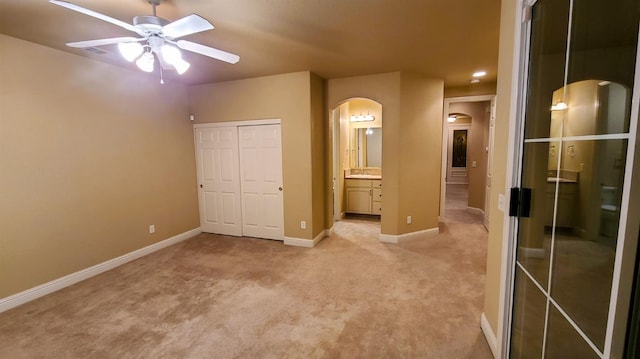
(157, 36)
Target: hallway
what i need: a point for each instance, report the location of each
(456, 206)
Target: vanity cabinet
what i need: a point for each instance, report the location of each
(567, 196)
(363, 196)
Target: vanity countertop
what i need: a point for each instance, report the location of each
(560, 180)
(373, 177)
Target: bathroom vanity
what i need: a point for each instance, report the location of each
(567, 185)
(363, 194)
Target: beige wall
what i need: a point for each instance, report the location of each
(478, 141)
(344, 152)
(479, 89)
(293, 99)
(499, 171)
(420, 152)
(321, 172)
(90, 156)
(411, 143)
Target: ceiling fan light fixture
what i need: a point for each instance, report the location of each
(145, 62)
(130, 50)
(181, 66)
(171, 54)
(157, 37)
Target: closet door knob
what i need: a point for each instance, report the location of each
(200, 186)
(280, 189)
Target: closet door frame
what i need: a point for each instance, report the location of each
(275, 121)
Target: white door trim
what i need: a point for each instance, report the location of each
(517, 87)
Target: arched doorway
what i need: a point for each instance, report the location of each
(356, 127)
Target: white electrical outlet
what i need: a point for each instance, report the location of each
(408, 219)
(474, 164)
(303, 225)
(152, 228)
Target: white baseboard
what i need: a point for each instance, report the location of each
(73, 278)
(489, 335)
(395, 239)
(329, 232)
(529, 252)
(307, 243)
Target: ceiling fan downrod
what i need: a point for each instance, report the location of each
(154, 3)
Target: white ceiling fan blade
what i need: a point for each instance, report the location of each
(100, 42)
(186, 26)
(97, 15)
(208, 51)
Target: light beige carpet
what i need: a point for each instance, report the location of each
(222, 297)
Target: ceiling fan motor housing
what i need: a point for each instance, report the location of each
(149, 24)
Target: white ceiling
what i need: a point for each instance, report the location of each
(448, 39)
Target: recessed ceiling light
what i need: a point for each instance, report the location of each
(475, 81)
(479, 73)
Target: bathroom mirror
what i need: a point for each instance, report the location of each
(366, 147)
(361, 134)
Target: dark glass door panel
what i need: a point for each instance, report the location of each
(582, 59)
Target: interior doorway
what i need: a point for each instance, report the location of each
(467, 138)
(356, 135)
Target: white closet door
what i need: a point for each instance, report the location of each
(261, 181)
(218, 182)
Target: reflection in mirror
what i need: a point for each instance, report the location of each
(581, 68)
(367, 147)
(576, 183)
(363, 118)
(587, 185)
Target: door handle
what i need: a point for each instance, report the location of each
(520, 202)
(200, 186)
(280, 189)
